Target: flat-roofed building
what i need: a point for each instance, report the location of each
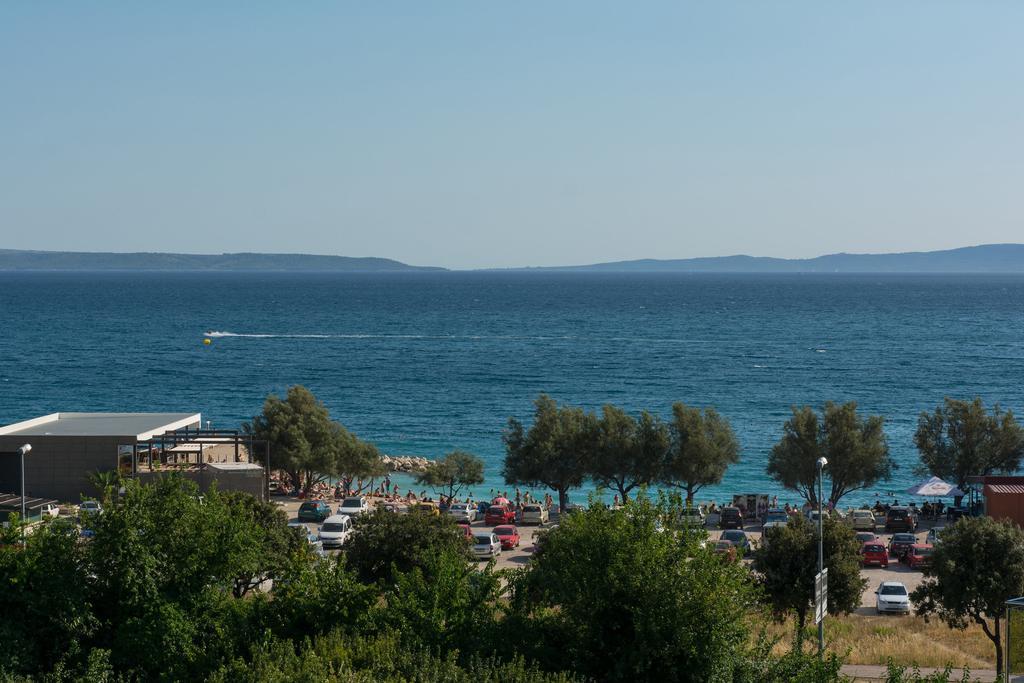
(68, 447)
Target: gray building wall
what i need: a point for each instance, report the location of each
(59, 466)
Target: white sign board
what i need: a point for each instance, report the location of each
(820, 595)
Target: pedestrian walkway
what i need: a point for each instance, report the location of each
(866, 672)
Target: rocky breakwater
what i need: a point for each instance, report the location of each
(405, 463)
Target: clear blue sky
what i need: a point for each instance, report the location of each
(470, 134)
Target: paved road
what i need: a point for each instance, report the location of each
(521, 556)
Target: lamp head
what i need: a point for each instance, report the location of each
(25, 449)
(822, 462)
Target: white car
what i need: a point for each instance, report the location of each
(892, 596)
(486, 546)
(935, 535)
(463, 512)
(50, 510)
(356, 505)
(862, 520)
(691, 517)
(335, 531)
(533, 514)
(90, 506)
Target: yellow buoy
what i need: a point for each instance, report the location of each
(207, 341)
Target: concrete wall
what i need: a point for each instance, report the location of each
(247, 480)
(59, 466)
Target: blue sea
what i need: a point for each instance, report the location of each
(422, 363)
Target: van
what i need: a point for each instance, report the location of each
(335, 530)
(534, 514)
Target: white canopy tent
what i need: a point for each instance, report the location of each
(935, 488)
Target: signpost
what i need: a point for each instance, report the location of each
(820, 595)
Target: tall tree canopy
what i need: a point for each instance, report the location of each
(856, 449)
(624, 603)
(961, 439)
(307, 444)
(787, 564)
(452, 473)
(554, 452)
(978, 567)
(702, 446)
(628, 452)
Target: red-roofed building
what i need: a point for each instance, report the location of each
(1003, 497)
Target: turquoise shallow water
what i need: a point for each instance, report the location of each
(423, 363)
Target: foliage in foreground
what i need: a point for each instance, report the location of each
(164, 592)
(620, 600)
(787, 564)
(977, 567)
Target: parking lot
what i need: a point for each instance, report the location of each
(520, 556)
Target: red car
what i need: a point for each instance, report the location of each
(508, 535)
(499, 514)
(874, 553)
(467, 531)
(918, 555)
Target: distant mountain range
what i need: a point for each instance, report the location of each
(12, 259)
(986, 258)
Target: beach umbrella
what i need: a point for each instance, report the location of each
(500, 500)
(935, 488)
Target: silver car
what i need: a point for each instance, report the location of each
(533, 514)
(486, 546)
(463, 512)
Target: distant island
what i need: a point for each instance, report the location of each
(986, 258)
(13, 259)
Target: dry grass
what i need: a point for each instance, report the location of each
(908, 640)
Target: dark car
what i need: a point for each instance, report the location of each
(900, 544)
(738, 538)
(899, 519)
(314, 511)
(730, 518)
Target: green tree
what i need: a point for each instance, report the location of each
(384, 544)
(46, 586)
(703, 446)
(318, 598)
(165, 564)
(628, 452)
(787, 563)
(978, 567)
(961, 439)
(359, 460)
(273, 542)
(554, 452)
(856, 449)
(107, 483)
(307, 444)
(449, 475)
(446, 605)
(615, 597)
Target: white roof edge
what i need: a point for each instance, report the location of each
(34, 422)
(184, 422)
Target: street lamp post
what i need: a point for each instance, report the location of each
(22, 452)
(821, 552)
